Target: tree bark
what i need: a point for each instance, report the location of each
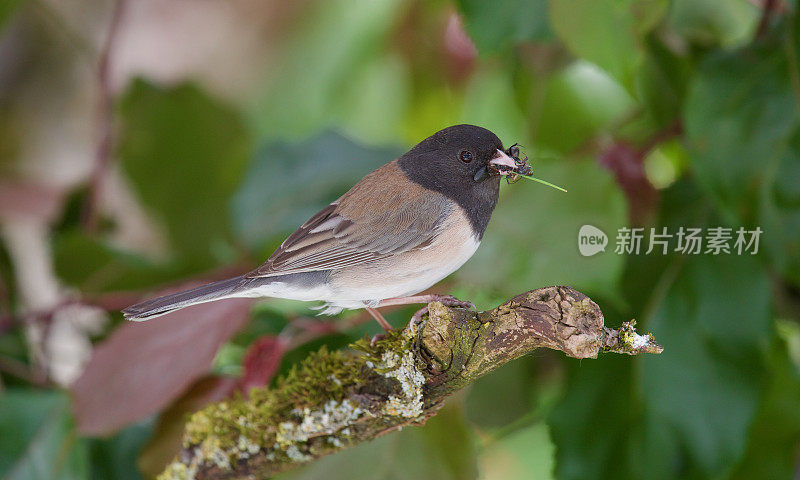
(334, 400)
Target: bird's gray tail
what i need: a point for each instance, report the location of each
(169, 303)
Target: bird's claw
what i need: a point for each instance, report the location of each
(451, 301)
(376, 338)
(447, 301)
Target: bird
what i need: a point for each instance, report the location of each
(398, 231)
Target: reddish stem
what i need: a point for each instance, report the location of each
(105, 122)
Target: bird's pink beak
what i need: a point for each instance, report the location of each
(502, 163)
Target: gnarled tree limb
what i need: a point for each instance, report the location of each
(334, 400)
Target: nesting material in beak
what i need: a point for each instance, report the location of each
(502, 164)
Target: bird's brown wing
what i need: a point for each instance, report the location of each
(377, 218)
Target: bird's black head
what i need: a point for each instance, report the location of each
(464, 163)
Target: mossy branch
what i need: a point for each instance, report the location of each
(334, 400)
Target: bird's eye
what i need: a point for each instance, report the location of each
(465, 156)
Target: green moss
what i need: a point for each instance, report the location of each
(392, 341)
(310, 383)
(308, 401)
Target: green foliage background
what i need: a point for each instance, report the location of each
(708, 102)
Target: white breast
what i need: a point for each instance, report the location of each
(419, 270)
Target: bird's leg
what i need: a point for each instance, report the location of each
(447, 300)
(379, 318)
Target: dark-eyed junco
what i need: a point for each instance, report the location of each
(401, 229)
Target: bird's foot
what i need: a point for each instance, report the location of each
(447, 301)
(451, 301)
(376, 338)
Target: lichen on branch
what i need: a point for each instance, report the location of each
(334, 400)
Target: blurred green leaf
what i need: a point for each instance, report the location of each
(115, 457)
(661, 82)
(579, 101)
(525, 454)
(511, 385)
(707, 384)
(607, 32)
(497, 26)
(374, 104)
(7, 9)
(38, 441)
(665, 163)
(489, 102)
(287, 183)
(442, 449)
(430, 111)
(185, 153)
(332, 41)
(743, 125)
(14, 345)
(773, 440)
(532, 239)
(714, 22)
(591, 426)
(91, 264)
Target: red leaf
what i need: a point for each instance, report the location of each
(262, 361)
(142, 367)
